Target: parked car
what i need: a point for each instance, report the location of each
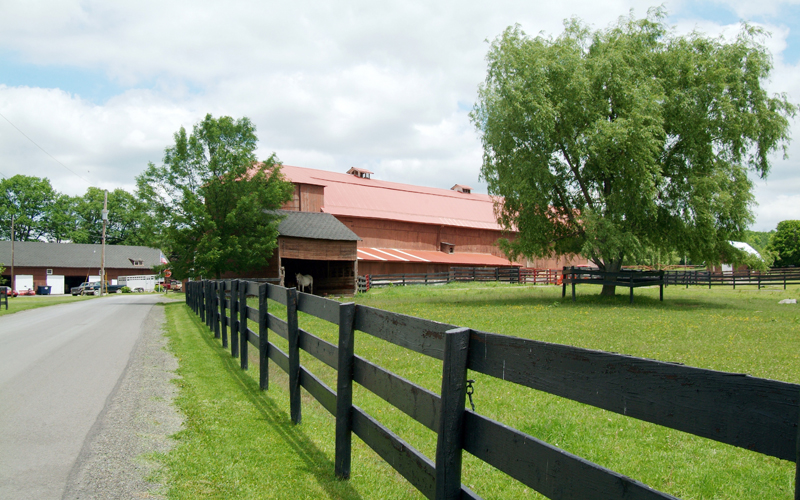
(93, 288)
(173, 285)
(9, 291)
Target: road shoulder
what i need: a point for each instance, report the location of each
(137, 420)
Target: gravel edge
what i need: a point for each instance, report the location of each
(137, 420)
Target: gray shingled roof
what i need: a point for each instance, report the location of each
(314, 225)
(40, 254)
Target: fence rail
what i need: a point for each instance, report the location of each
(784, 276)
(753, 413)
(529, 276)
(627, 278)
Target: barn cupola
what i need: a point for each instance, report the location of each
(461, 188)
(362, 173)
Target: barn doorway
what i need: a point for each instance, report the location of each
(331, 277)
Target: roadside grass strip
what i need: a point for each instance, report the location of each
(17, 304)
(240, 443)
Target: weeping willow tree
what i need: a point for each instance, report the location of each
(626, 140)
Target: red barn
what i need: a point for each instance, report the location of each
(404, 228)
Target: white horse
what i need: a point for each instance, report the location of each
(304, 281)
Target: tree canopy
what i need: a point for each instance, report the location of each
(214, 199)
(30, 201)
(126, 218)
(785, 244)
(628, 139)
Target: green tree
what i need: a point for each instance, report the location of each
(213, 197)
(785, 244)
(758, 239)
(616, 142)
(29, 200)
(61, 220)
(126, 217)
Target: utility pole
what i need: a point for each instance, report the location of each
(13, 285)
(103, 252)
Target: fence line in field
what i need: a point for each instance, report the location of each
(779, 276)
(753, 413)
(519, 275)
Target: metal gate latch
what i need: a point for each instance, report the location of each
(470, 390)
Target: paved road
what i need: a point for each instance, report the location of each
(60, 367)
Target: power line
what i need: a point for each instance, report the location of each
(45, 151)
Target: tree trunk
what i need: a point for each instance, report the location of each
(612, 266)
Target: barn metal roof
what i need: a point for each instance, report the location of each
(396, 255)
(348, 195)
(314, 225)
(42, 254)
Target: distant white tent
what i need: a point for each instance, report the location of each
(745, 247)
(740, 245)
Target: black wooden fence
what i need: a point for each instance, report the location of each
(503, 274)
(784, 276)
(626, 278)
(757, 414)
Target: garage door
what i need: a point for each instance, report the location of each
(23, 282)
(56, 284)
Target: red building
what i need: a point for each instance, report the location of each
(404, 228)
(65, 265)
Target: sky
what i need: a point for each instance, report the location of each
(92, 90)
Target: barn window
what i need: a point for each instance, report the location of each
(448, 247)
(360, 172)
(461, 188)
(137, 262)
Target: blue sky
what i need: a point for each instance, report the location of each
(103, 86)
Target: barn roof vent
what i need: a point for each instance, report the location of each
(461, 188)
(360, 172)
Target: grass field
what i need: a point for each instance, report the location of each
(256, 453)
(24, 303)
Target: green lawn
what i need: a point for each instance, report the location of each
(26, 302)
(239, 442)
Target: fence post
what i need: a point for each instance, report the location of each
(294, 356)
(797, 468)
(201, 299)
(451, 417)
(234, 318)
(243, 324)
(209, 306)
(344, 390)
(215, 298)
(223, 306)
(573, 278)
(208, 303)
(206, 308)
(263, 339)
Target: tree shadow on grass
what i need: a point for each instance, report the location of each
(316, 461)
(586, 299)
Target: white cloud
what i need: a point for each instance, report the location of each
(329, 85)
